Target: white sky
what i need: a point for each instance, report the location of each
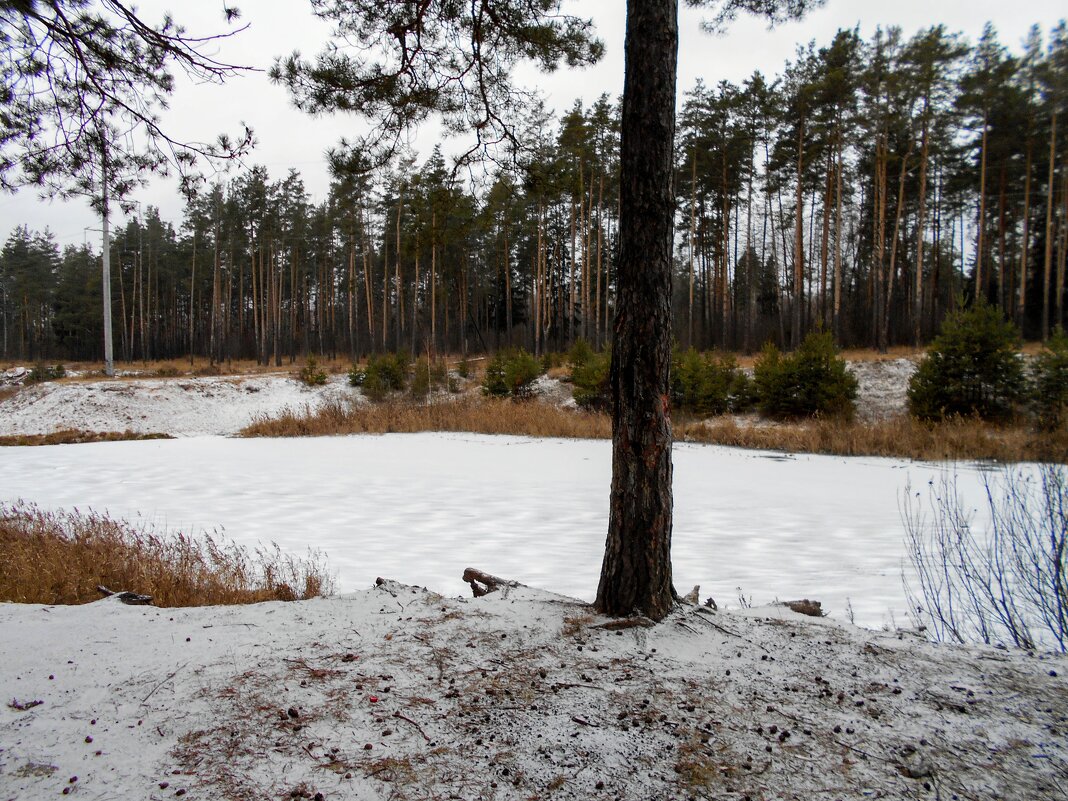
(288, 138)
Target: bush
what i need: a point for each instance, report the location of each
(511, 373)
(383, 375)
(590, 377)
(709, 386)
(813, 380)
(1050, 382)
(552, 359)
(580, 354)
(1006, 584)
(311, 374)
(427, 377)
(972, 367)
(42, 372)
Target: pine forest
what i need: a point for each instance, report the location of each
(867, 190)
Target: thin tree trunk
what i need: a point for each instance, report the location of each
(1021, 299)
(982, 214)
(917, 298)
(799, 242)
(884, 339)
(836, 317)
(1047, 270)
(192, 298)
(693, 235)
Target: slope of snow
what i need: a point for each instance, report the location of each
(189, 406)
(421, 507)
(398, 693)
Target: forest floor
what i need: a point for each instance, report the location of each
(396, 692)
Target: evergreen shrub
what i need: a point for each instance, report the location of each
(511, 373)
(311, 374)
(1050, 382)
(44, 372)
(813, 380)
(705, 385)
(589, 376)
(972, 368)
(428, 376)
(383, 374)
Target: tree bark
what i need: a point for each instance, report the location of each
(636, 572)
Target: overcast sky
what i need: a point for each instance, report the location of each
(288, 138)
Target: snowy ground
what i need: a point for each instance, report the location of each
(184, 407)
(398, 693)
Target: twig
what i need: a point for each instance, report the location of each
(165, 680)
(407, 719)
(22, 707)
(625, 623)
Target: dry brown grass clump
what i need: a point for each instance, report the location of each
(61, 557)
(72, 436)
(484, 416)
(901, 437)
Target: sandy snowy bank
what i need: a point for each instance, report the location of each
(397, 692)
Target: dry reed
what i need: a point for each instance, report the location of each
(901, 437)
(61, 557)
(483, 416)
(72, 436)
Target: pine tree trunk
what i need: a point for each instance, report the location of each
(884, 336)
(917, 297)
(600, 201)
(799, 240)
(1047, 270)
(1021, 298)
(982, 216)
(192, 299)
(636, 572)
(836, 318)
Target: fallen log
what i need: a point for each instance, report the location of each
(483, 583)
(805, 607)
(125, 596)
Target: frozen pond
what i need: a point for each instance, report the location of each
(421, 507)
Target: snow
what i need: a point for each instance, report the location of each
(396, 692)
(422, 507)
(188, 406)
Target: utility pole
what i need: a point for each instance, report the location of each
(109, 356)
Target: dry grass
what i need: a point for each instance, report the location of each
(481, 416)
(72, 436)
(61, 557)
(901, 437)
(898, 437)
(7, 392)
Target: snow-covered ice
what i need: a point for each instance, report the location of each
(421, 507)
